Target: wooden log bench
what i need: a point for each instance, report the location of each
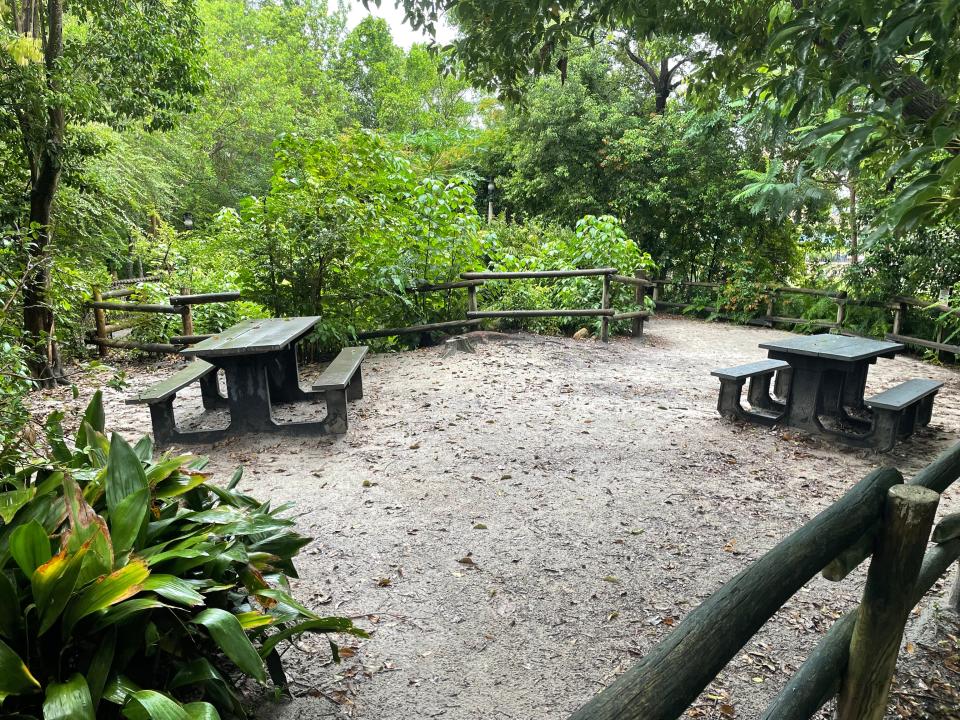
(764, 409)
(160, 398)
(342, 380)
(898, 411)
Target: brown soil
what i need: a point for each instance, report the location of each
(516, 526)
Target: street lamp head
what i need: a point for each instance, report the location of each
(491, 187)
(188, 221)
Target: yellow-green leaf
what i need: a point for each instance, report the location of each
(110, 590)
(15, 677)
(53, 584)
(12, 501)
(226, 631)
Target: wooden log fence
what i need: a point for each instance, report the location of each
(182, 304)
(899, 306)
(855, 660)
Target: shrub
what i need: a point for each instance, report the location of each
(130, 585)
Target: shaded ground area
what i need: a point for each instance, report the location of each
(517, 526)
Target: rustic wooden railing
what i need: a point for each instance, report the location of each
(899, 306)
(855, 660)
(132, 316)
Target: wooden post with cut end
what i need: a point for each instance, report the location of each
(639, 295)
(841, 311)
(955, 596)
(100, 317)
(472, 298)
(605, 305)
(186, 315)
(898, 312)
(887, 600)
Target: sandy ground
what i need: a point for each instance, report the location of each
(518, 525)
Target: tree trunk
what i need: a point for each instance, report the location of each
(38, 320)
(854, 223)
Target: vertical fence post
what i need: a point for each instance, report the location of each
(186, 314)
(471, 298)
(656, 291)
(841, 310)
(955, 596)
(771, 300)
(639, 295)
(898, 312)
(100, 318)
(887, 600)
(605, 304)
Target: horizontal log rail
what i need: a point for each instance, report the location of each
(531, 274)
(189, 339)
(899, 305)
(414, 329)
(136, 307)
(204, 299)
(637, 281)
(120, 292)
(672, 675)
(158, 348)
(573, 312)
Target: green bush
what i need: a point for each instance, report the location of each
(131, 586)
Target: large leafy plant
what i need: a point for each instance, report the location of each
(130, 584)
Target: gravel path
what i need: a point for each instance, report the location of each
(518, 525)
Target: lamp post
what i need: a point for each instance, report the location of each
(490, 188)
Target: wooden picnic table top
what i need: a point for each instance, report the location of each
(253, 337)
(834, 347)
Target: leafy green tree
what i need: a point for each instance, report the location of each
(882, 79)
(65, 65)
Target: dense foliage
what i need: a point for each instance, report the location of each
(131, 586)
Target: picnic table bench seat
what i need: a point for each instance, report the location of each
(898, 411)
(160, 397)
(341, 380)
(764, 409)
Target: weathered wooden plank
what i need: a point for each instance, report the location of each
(907, 340)
(204, 298)
(136, 307)
(938, 475)
(904, 394)
(663, 684)
(761, 367)
(252, 337)
(430, 327)
(537, 274)
(171, 385)
(947, 529)
(818, 679)
(598, 312)
(644, 314)
(446, 286)
(121, 292)
(159, 348)
(907, 520)
(627, 280)
(338, 374)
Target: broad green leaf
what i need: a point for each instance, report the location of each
(69, 700)
(165, 468)
(12, 501)
(127, 518)
(253, 619)
(94, 418)
(201, 711)
(144, 449)
(100, 664)
(151, 705)
(53, 584)
(15, 678)
(202, 673)
(119, 689)
(30, 547)
(126, 610)
(179, 484)
(323, 625)
(110, 590)
(227, 632)
(173, 588)
(125, 474)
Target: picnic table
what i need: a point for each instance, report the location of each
(259, 361)
(827, 377)
(820, 388)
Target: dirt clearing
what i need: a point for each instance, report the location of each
(516, 526)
